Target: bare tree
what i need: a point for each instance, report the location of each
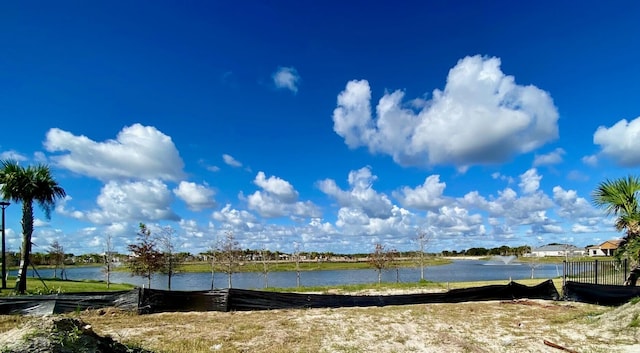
(534, 261)
(212, 257)
(168, 247)
(145, 258)
(423, 239)
(394, 262)
(108, 257)
(264, 258)
(379, 259)
(229, 256)
(296, 258)
(56, 258)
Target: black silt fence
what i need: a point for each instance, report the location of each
(147, 301)
(601, 294)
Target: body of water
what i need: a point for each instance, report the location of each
(457, 271)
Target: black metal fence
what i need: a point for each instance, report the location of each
(609, 272)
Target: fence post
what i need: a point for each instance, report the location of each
(596, 272)
(564, 277)
(625, 264)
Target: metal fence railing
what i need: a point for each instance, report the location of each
(596, 272)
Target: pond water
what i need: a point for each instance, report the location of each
(457, 271)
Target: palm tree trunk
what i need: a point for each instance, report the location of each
(27, 231)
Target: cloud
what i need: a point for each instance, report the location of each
(424, 197)
(138, 152)
(572, 207)
(235, 219)
(360, 195)
(591, 160)
(620, 142)
(139, 201)
(456, 221)
(482, 116)
(502, 177)
(278, 198)
(280, 188)
(554, 157)
(528, 209)
(12, 155)
(530, 181)
(286, 78)
(231, 161)
(197, 197)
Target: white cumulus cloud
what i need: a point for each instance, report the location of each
(530, 181)
(554, 157)
(138, 152)
(360, 195)
(429, 195)
(235, 219)
(286, 78)
(280, 188)
(278, 198)
(139, 201)
(482, 116)
(621, 142)
(197, 197)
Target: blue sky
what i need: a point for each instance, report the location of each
(331, 125)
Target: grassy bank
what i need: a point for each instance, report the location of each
(54, 285)
(283, 266)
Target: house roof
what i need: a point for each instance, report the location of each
(609, 244)
(556, 247)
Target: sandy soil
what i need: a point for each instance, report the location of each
(508, 326)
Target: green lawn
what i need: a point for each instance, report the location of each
(281, 266)
(53, 285)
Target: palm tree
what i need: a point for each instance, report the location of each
(28, 185)
(620, 198)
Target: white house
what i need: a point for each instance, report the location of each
(557, 250)
(608, 248)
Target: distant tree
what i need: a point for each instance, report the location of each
(229, 256)
(264, 258)
(423, 239)
(108, 257)
(296, 257)
(145, 258)
(394, 262)
(534, 263)
(56, 258)
(168, 247)
(379, 259)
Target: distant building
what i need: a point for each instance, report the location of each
(557, 250)
(608, 248)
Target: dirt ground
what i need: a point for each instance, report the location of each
(476, 327)
(508, 326)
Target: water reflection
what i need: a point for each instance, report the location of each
(457, 271)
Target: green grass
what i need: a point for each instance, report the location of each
(350, 288)
(554, 259)
(282, 266)
(54, 285)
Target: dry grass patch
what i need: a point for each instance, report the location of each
(474, 327)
